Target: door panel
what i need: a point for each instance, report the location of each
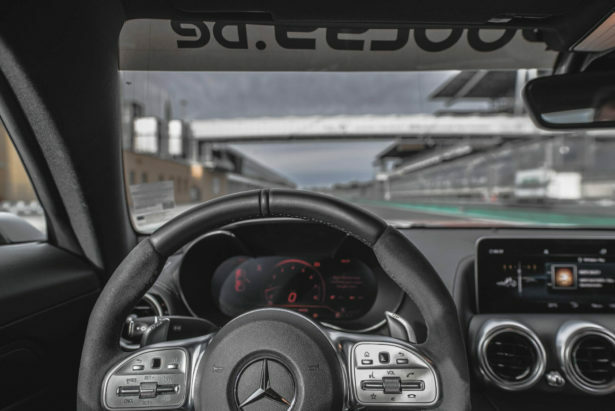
(46, 295)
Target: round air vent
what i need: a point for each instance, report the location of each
(510, 355)
(148, 306)
(587, 355)
(594, 358)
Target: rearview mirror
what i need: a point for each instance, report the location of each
(583, 100)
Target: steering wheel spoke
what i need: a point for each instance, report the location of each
(387, 373)
(156, 377)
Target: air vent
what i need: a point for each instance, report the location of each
(149, 306)
(587, 355)
(510, 355)
(594, 358)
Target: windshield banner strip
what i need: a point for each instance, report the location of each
(163, 45)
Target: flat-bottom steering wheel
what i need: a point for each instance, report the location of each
(275, 359)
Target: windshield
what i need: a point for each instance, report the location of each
(445, 148)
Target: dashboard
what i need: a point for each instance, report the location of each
(536, 305)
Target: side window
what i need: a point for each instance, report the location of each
(20, 210)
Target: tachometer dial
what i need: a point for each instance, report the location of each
(294, 283)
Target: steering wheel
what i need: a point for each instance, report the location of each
(271, 358)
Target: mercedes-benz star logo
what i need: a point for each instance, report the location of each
(282, 395)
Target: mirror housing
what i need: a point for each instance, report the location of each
(14, 229)
(572, 101)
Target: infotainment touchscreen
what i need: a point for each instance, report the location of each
(523, 275)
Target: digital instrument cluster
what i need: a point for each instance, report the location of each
(330, 289)
(545, 275)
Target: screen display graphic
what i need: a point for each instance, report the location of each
(324, 289)
(517, 275)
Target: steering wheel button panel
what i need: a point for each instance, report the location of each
(159, 381)
(406, 382)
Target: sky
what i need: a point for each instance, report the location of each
(198, 95)
(207, 95)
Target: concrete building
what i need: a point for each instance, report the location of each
(195, 182)
(491, 156)
(161, 149)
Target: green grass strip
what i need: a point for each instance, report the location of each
(504, 214)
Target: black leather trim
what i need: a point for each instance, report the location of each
(132, 278)
(398, 257)
(206, 217)
(37, 276)
(262, 204)
(330, 211)
(464, 291)
(445, 344)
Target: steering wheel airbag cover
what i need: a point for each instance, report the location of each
(278, 335)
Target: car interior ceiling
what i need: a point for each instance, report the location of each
(60, 93)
